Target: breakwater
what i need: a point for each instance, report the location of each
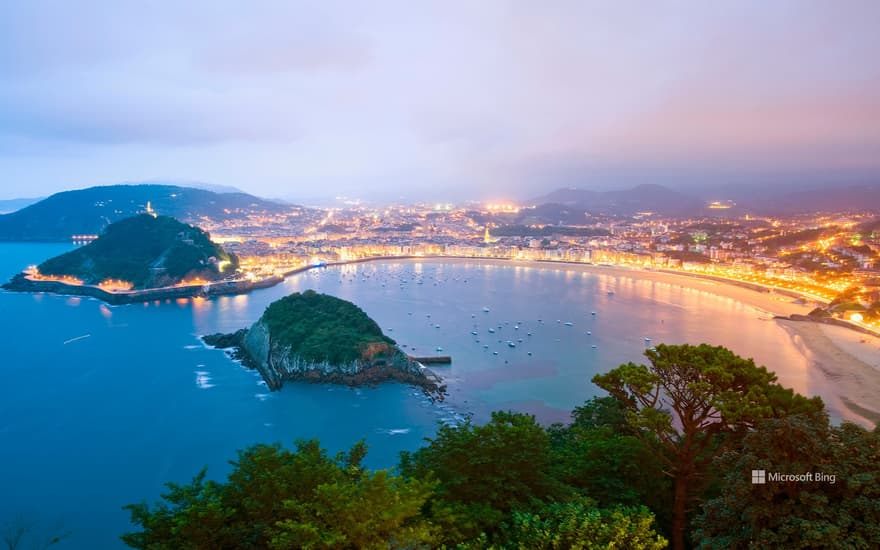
(20, 283)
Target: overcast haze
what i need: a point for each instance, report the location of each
(441, 100)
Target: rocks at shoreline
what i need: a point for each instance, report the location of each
(20, 283)
(277, 364)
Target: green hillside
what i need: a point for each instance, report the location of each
(90, 211)
(147, 252)
(320, 328)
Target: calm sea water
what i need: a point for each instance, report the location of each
(101, 405)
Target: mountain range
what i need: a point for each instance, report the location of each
(643, 198)
(569, 205)
(89, 211)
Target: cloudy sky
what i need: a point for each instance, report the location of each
(434, 100)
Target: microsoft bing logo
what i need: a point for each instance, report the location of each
(759, 477)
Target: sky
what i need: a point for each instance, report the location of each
(447, 100)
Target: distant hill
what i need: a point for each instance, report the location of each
(147, 252)
(11, 205)
(826, 199)
(89, 211)
(643, 198)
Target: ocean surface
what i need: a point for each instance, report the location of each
(101, 405)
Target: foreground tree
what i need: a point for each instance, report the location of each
(580, 525)
(276, 498)
(694, 400)
(813, 512)
(484, 472)
(601, 456)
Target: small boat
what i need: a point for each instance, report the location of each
(494, 353)
(569, 324)
(589, 333)
(436, 326)
(485, 310)
(530, 353)
(439, 348)
(511, 344)
(474, 332)
(610, 293)
(529, 334)
(647, 339)
(491, 331)
(592, 313)
(594, 346)
(485, 346)
(515, 327)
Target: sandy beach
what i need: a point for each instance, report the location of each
(848, 360)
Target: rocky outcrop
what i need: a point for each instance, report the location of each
(277, 364)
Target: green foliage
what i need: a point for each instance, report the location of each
(129, 248)
(600, 455)
(693, 400)
(797, 514)
(579, 525)
(276, 498)
(319, 327)
(485, 471)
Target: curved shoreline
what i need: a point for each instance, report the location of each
(831, 347)
(832, 350)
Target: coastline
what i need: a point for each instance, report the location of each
(848, 358)
(20, 283)
(836, 351)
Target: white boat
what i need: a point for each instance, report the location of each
(647, 339)
(439, 348)
(589, 333)
(594, 346)
(569, 324)
(485, 310)
(592, 313)
(494, 353)
(474, 332)
(511, 344)
(491, 331)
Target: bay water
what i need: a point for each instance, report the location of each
(101, 405)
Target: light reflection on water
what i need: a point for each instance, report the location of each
(141, 401)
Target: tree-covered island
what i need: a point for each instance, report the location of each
(147, 252)
(140, 259)
(320, 338)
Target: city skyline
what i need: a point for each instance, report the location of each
(500, 100)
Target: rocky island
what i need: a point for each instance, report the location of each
(320, 338)
(139, 259)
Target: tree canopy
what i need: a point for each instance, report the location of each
(693, 400)
(320, 327)
(145, 251)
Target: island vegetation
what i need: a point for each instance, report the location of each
(147, 252)
(321, 338)
(320, 327)
(666, 457)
